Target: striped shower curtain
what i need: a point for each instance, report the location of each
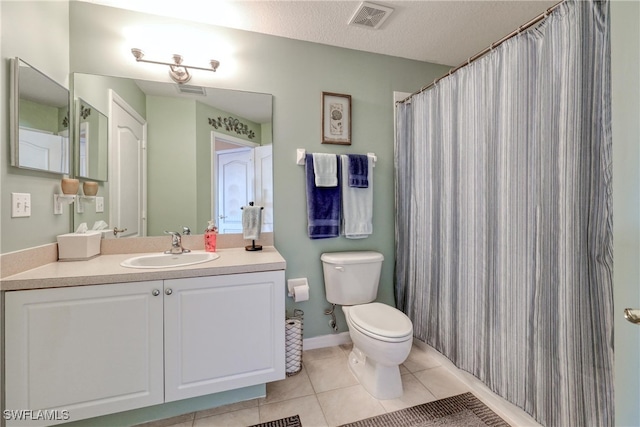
(504, 218)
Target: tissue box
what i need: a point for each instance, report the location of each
(79, 246)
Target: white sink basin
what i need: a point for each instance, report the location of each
(169, 260)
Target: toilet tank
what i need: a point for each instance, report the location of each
(351, 278)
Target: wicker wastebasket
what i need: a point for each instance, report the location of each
(293, 342)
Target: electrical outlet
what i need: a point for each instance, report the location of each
(57, 205)
(99, 204)
(20, 205)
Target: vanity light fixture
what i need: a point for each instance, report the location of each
(177, 70)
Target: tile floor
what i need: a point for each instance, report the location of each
(325, 393)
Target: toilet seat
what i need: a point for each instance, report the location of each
(381, 322)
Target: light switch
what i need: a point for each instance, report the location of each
(99, 204)
(20, 205)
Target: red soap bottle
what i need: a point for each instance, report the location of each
(210, 235)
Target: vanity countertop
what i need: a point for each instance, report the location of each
(106, 269)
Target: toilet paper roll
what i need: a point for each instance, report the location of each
(301, 293)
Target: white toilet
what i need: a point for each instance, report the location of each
(382, 335)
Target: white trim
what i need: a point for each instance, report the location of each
(323, 341)
(232, 139)
(114, 97)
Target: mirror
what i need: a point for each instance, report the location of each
(39, 120)
(91, 142)
(208, 153)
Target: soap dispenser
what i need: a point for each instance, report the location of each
(210, 235)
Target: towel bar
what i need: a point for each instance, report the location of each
(301, 154)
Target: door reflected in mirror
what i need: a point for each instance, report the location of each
(92, 142)
(39, 120)
(177, 148)
(244, 174)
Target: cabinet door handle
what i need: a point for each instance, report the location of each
(168, 291)
(155, 292)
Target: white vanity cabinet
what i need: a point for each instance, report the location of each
(89, 350)
(223, 333)
(100, 349)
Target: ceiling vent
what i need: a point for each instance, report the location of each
(370, 15)
(191, 90)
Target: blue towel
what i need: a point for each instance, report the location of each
(323, 205)
(358, 170)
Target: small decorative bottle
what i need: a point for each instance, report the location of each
(210, 235)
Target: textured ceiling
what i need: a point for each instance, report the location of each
(442, 32)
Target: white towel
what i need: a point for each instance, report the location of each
(325, 168)
(251, 222)
(357, 205)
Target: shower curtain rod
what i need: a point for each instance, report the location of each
(488, 49)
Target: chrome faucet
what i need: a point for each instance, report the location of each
(176, 243)
(186, 231)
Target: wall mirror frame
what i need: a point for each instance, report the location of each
(185, 129)
(91, 148)
(39, 120)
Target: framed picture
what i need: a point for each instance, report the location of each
(336, 118)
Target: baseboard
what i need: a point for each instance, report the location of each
(323, 341)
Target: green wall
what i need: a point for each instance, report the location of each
(171, 155)
(295, 73)
(45, 46)
(203, 167)
(95, 90)
(179, 163)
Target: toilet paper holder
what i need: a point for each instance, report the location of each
(292, 283)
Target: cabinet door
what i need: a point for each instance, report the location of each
(88, 350)
(223, 332)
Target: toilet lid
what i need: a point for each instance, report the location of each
(381, 320)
